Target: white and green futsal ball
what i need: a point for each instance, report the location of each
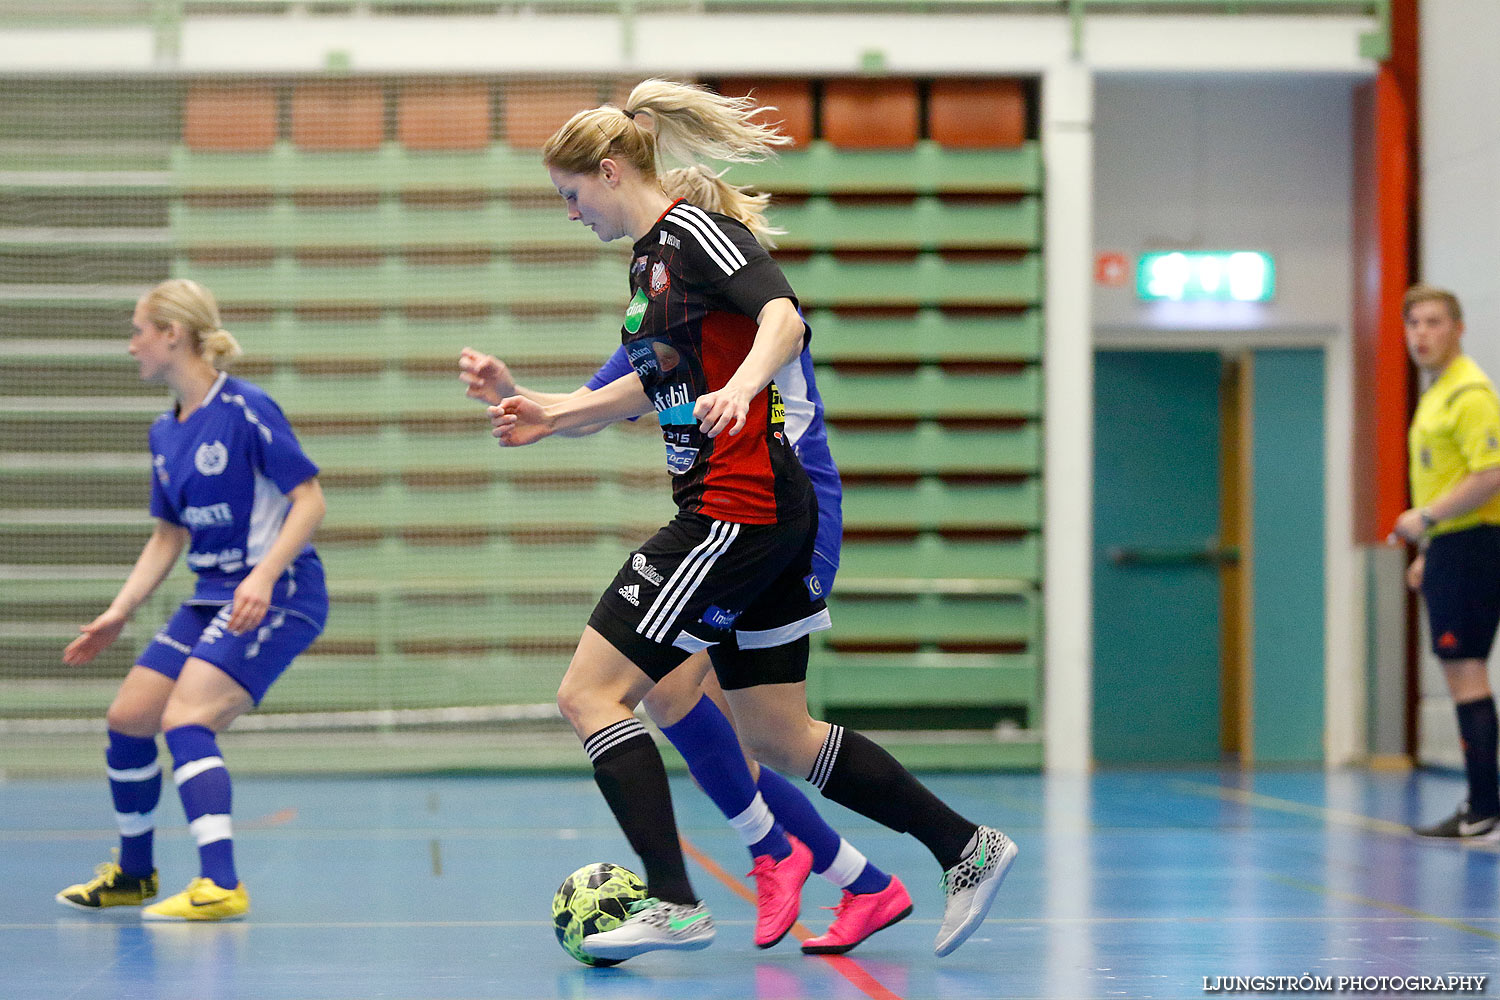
(593, 899)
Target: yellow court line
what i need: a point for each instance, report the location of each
(1357, 820)
(1295, 808)
(1380, 904)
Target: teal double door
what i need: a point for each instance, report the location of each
(1208, 556)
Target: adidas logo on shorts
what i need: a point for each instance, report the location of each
(632, 593)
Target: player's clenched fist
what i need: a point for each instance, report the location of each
(518, 421)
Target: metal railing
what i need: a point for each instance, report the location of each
(166, 16)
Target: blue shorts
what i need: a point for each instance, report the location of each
(254, 659)
(1461, 584)
(825, 557)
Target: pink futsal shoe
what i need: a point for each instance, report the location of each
(778, 892)
(857, 917)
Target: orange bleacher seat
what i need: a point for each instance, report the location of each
(792, 100)
(437, 115)
(870, 114)
(337, 116)
(229, 117)
(973, 114)
(533, 111)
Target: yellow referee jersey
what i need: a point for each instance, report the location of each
(1455, 431)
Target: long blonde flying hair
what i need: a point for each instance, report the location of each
(183, 301)
(685, 123)
(707, 189)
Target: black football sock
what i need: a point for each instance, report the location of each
(629, 771)
(856, 772)
(1476, 727)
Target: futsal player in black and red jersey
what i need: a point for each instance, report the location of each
(711, 325)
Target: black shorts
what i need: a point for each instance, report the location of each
(699, 582)
(1461, 584)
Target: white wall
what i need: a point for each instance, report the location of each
(1459, 232)
(1227, 163)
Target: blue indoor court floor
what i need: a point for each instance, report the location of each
(1129, 884)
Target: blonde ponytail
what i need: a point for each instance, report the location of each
(219, 347)
(686, 122)
(710, 191)
(189, 304)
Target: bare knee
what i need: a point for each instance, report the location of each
(790, 747)
(133, 719)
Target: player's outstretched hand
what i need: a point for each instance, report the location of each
(251, 599)
(518, 421)
(721, 410)
(484, 376)
(95, 638)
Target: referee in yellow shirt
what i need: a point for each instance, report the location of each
(1454, 445)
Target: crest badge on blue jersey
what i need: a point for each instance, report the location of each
(211, 458)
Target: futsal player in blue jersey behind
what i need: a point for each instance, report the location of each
(689, 701)
(231, 485)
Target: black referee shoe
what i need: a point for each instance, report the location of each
(1462, 825)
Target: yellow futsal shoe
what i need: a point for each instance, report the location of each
(110, 886)
(202, 900)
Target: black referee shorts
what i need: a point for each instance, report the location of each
(1461, 584)
(699, 582)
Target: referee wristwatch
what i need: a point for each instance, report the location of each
(1427, 519)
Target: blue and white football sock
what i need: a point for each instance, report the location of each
(707, 742)
(203, 783)
(135, 787)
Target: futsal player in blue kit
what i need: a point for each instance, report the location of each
(711, 330)
(230, 485)
(871, 900)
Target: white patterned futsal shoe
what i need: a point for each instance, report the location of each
(652, 925)
(970, 887)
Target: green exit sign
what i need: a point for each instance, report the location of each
(1206, 276)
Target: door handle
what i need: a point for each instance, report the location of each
(1211, 554)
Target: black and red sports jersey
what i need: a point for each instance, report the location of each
(698, 281)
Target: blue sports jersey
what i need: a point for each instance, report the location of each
(223, 474)
(804, 427)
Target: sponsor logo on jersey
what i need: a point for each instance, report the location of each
(211, 459)
(660, 279)
(814, 585)
(636, 311)
(669, 240)
(778, 407)
(717, 617)
(680, 459)
(640, 264)
(645, 570)
(1425, 457)
(642, 358)
(671, 396)
(228, 560)
(1491, 443)
(632, 593)
(204, 517)
(159, 463)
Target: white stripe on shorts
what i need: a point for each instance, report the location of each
(780, 636)
(686, 579)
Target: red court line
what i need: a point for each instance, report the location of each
(280, 817)
(847, 967)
